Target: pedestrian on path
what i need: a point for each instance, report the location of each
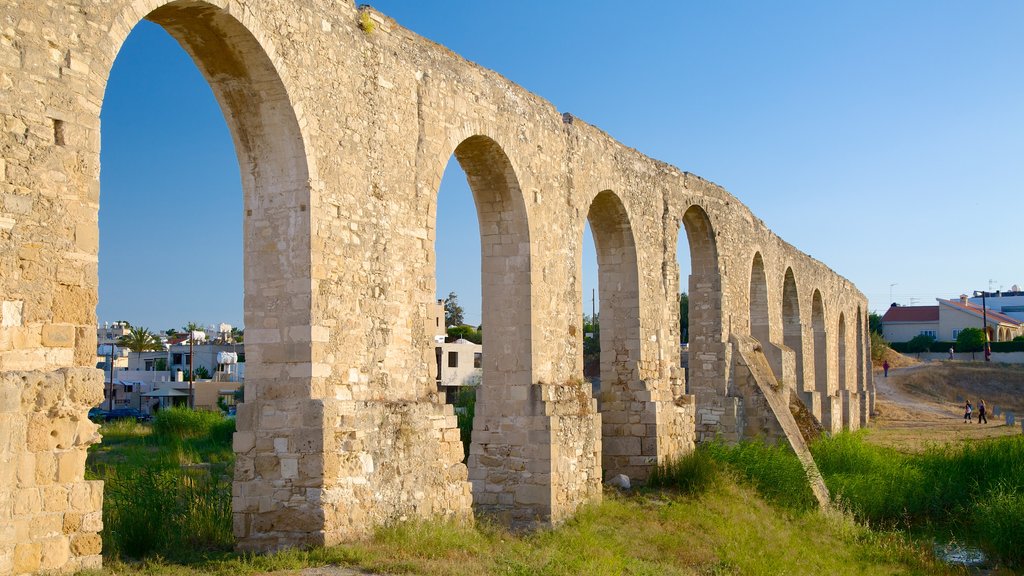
(981, 412)
(885, 368)
(968, 409)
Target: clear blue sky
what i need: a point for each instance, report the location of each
(885, 139)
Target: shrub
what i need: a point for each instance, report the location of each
(970, 340)
(920, 343)
(1014, 345)
(465, 408)
(693, 473)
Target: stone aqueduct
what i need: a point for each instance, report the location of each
(343, 123)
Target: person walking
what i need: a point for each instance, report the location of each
(950, 352)
(967, 413)
(981, 412)
(885, 368)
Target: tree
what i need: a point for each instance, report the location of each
(920, 343)
(190, 327)
(591, 343)
(878, 347)
(875, 323)
(466, 332)
(452, 311)
(970, 340)
(237, 334)
(140, 340)
(684, 317)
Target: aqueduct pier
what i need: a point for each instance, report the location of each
(343, 123)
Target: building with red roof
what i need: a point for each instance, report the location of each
(945, 321)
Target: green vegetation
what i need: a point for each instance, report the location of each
(920, 343)
(875, 323)
(878, 347)
(167, 486)
(970, 340)
(466, 332)
(743, 509)
(453, 314)
(465, 408)
(970, 490)
(684, 318)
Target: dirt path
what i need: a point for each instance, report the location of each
(888, 389)
(910, 421)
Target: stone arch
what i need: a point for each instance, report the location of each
(820, 342)
(862, 355)
(276, 175)
(792, 327)
(619, 288)
(500, 442)
(843, 371)
(505, 265)
(760, 327)
(704, 286)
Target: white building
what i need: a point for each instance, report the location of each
(1009, 303)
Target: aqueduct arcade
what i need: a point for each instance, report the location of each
(343, 124)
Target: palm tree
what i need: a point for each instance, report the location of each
(140, 340)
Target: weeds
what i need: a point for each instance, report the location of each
(167, 487)
(693, 473)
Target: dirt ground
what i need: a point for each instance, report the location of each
(923, 403)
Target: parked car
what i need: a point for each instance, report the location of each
(97, 414)
(127, 413)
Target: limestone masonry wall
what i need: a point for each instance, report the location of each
(343, 123)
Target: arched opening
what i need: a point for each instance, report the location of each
(861, 383)
(703, 329)
(456, 324)
(792, 329)
(759, 324)
(618, 287)
(821, 358)
(497, 448)
(276, 269)
(844, 370)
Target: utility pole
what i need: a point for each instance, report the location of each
(984, 323)
(191, 370)
(110, 385)
(593, 306)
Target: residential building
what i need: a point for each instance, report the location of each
(459, 364)
(945, 321)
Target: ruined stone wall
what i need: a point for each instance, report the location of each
(343, 123)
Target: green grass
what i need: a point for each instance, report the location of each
(742, 509)
(726, 530)
(973, 491)
(167, 487)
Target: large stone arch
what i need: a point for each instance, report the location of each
(863, 356)
(792, 326)
(499, 447)
(620, 401)
(276, 174)
(821, 367)
(843, 372)
(705, 379)
(759, 323)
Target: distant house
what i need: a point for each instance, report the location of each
(945, 321)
